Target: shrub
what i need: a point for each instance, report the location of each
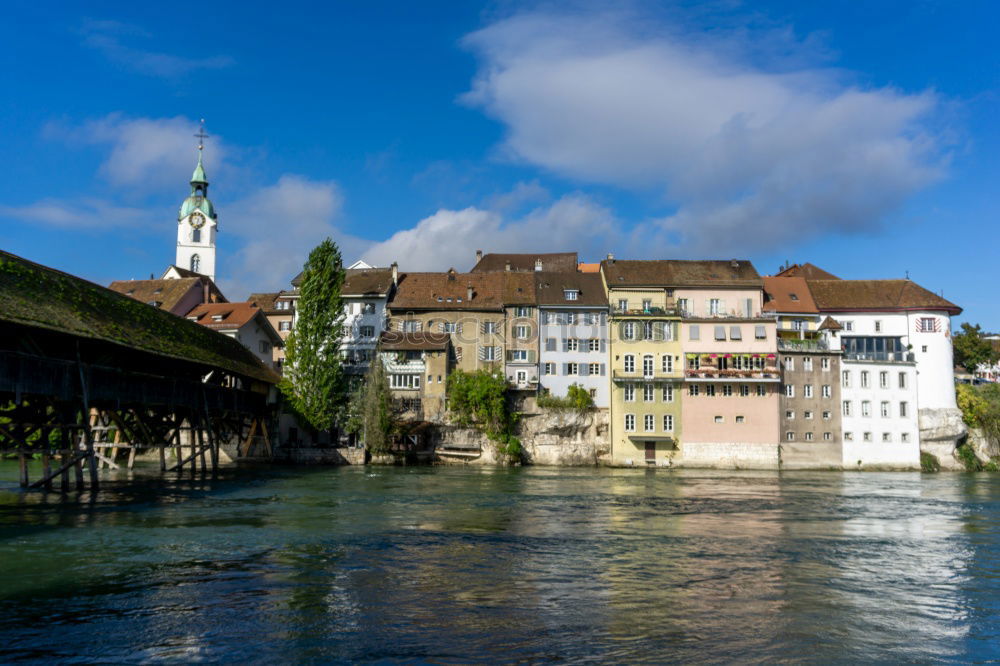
(577, 397)
(929, 462)
(969, 459)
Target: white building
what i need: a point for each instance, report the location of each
(243, 321)
(573, 334)
(197, 225)
(897, 371)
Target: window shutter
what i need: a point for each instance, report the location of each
(550, 344)
(720, 332)
(441, 326)
(735, 333)
(482, 353)
(565, 345)
(602, 347)
(708, 307)
(565, 368)
(458, 327)
(531, 356)
(497, 352)
(694, 332)
(722, 306)
(748, 308)
(584, 369)
(602, 369)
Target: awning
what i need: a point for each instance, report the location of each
(652, 438)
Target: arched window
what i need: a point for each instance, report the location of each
(195, 263)
(196, 235)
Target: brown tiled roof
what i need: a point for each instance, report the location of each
(448, 291)
(367, 281)
(553, 261)
(680, 273)
(519, 288)
(788, 294)
(234, 315)
(878, 295)
(830, 324)
(551, 288)
(807, 271)
(265, 301)
(413, 340)
(166, 294)
(185, 273)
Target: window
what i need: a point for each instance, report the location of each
(570, 294)
(710, 390)
(411, 326)
(284, 325)
(848, 436)
(668, 422)
(519, 355)
(759, 332)
(629, 363)
(902, 380)
(848, 325)
(265, 346)
(807, 415)
(761, 390)
(789, 414)
(827, 436)
(790, 364)
(865, 380)
(628, 330)
(740, 419)
(807, 363)
(522, 311)
(883, 379)
(744, 390)
(866, 436)
(885, 409)
(694, 332)
(550, 368)
(623, 304)
(593, 345)
(595, 368)
(647, 331)
(826, 415)
(629, 392)
(714, 306)
(866, 408)
(694, 362)
(807, 391)
(489, 327)
(572, 369)
(196, 236)
(646, 304)
(789, 390)
(667, 363)
(903, 409)
(878, 326)
(693, 389)
(727, 390)
(521, 332)
(571, 344)
(647, 365)
(809, 437)
(887, 437)
(367, 308)
(682, 305)
(449, 327)
(195, 263)
(824, 364)
(923, 348)
(790, 436)
(846, 379)
(647, 393)
(592, 392)
(905, 437)
(847, 408)
(797, 324)
(489, 353)
(668, 394)
(404, 381)
(719, 419)
(720, 332)
(827, 391)
(630, 423)
(367, 331)
(648, 424)
(927, 324)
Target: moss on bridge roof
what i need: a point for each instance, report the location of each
(34, 295)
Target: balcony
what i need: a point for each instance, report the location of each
(639, 376)
(881, 357)
(645, 312)
(802, 345)
(768, 374)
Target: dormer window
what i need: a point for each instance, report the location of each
(218, 317)
(571, 294)
(794, 297)
(157, 291)
(192, 319)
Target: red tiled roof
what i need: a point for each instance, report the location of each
(232, 315)
(551, 288)
(553, 261)
(788, 294)
(876, 295)
(449, 291)
(807, 271)
(680, 273)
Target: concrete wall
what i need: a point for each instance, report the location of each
(729, 455)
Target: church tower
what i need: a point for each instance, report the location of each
(197, 223)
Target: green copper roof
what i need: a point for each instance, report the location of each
(193, 203)
(199, 172)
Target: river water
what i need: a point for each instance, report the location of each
(449, 564)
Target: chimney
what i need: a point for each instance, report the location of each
(611, 258)
(395, 273)
(734, 264)
(538, 264)
(451, 275)
(468, 292)
(479, 256)
(506, 267)
(205, 292)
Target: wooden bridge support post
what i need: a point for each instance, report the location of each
(22, 460)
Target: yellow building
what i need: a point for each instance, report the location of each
(645, 364)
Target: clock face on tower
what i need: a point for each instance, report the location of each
(197, 220)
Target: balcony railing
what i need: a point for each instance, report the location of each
(884, 357)
(803, 345)
(647, 312)
(639, 375)
(732, 373)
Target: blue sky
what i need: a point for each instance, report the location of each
(859, 136)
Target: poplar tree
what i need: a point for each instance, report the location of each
(314, 381)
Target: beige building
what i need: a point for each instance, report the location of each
(279, 308)
(417, 365)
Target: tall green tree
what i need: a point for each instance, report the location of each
(314, 381)
(971, 349)
(371, 412)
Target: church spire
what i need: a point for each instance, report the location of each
(198, 178)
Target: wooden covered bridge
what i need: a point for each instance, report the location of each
(87, 373)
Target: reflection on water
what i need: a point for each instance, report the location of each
(459, 564)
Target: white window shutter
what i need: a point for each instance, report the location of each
(602, 369)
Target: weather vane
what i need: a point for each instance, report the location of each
(201, 135)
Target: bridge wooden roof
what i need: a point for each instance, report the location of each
(37, 296)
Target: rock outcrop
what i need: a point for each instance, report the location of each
(941, 431)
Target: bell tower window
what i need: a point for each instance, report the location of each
(196, 235)
(195, 263)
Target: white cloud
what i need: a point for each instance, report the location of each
(106, 37)
(450, 238)
(86, 213)
(277, 226)
(750, 155)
